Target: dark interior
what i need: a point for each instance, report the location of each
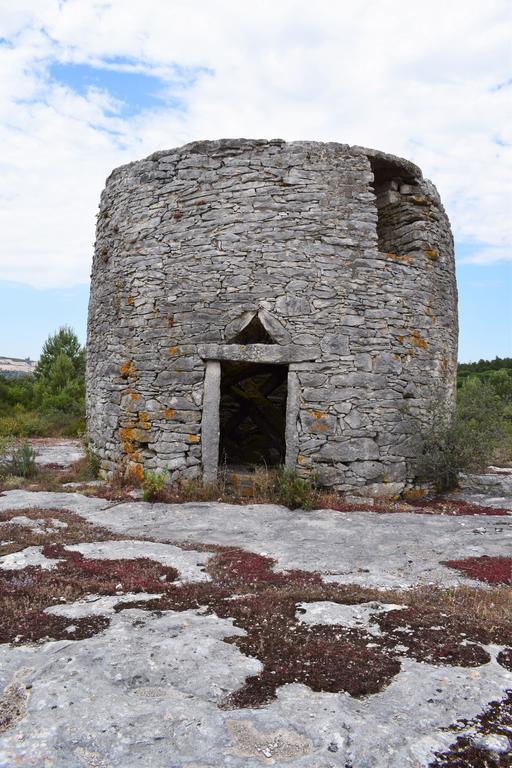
(252, 414)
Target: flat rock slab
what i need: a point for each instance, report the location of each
(359, 616)
(379, 550)
(148, 690)
(58, 452)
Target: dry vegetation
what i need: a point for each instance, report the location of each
(440, 626)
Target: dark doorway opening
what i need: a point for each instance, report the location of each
(252, 414)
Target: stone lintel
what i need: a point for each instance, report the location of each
(258, 353)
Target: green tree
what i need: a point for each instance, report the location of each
(63, 342)
(60, 374)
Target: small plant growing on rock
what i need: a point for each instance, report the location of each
(464, 441)
(153, 485)
(23, 461)
(293, 491)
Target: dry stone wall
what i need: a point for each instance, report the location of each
(345, 255)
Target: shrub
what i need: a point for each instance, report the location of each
(153, 485)
(293, 491)
(465, 441)
(93, 462)
(23, 461)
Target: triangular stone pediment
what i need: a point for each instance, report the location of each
(253, 333)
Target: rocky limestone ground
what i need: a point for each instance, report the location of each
(209, 634)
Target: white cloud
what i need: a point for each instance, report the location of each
(418, 80)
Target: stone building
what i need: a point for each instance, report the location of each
(264, 302)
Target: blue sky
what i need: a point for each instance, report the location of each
(89, 86)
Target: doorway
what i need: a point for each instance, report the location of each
(252, 414)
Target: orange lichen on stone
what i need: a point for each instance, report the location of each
(418, 341)
(129, 300)
(134, 396)
(126, 433)
(319, 424)
(173, 350)
(400, 339)
(128, 369)
(169, 413)
(193, 438)
(135, 471)
(405, 259)
(432, 254)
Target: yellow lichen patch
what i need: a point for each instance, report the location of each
(129, 300)
(318, 414)
(405, 259)
(400, 339)
(128, 370)
(318, 426)
(432, 254)
(135, 471)
(173, 350)
(126, 434)
(134, 396)
(169, 413)
(396, 356)
(418, 341)
(193, 438)
(301, 459)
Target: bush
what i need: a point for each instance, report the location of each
(293, 491)
(93, 462)
(466, 441)
(52, 402)
(23, 461)
(153, 485)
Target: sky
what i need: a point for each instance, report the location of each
(87, 85)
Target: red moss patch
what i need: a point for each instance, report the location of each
(465, 753)
(431, 635)
(76, 531)
(433, 505)
(439, 505)
(25, 594)
(244, 587)
(324, 657)
(493, 570)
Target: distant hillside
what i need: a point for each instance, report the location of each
(16, 366)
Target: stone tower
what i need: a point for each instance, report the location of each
(264, 302)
